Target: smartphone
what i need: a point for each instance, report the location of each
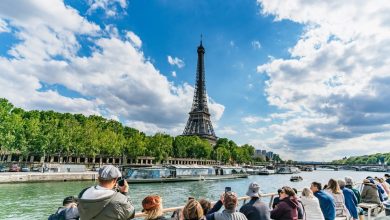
(228, 189)
(121, 181)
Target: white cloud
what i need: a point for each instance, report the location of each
(3, 26)
(134, 38)
(231, 43)
(116, 77)
(336, 78)
(174, 73)
(227, 131)
(256, 44)
(175, 61)
(254, 119)
(110, 7)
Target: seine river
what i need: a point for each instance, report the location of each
(39, 200)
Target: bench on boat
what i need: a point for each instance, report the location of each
(369, 207)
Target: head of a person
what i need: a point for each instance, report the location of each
(306, 192)
(387, 176)
(253, 190)
(287, 192)
(206, 205)
(315, 187)
(108, 176)
(348, 181)
(334, 186)
(295, 190)
(69, 201)
(230, 200)
(193, 210)
(341, 183)
(152, 206)
(381, 180)
(279, 191)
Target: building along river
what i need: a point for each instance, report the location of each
(39, 200)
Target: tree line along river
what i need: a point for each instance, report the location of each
(39, 200)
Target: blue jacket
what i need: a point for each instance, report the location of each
(350, 202)
(327, 204)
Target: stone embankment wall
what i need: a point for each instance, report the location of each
(29, 177)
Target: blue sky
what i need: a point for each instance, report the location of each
(293, 77)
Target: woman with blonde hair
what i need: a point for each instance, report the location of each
(333, 188)
(311, 205)
(193, 210)
(152, 207)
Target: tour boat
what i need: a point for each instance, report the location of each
(288, 170)
(181, 173)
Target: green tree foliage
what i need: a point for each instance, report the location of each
(44, 133)
(367, 159)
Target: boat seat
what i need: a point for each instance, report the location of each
(370, 207)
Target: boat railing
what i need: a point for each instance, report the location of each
(243, 198)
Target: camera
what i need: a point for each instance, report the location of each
(121, 181)
(228, 189)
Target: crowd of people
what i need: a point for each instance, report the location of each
(338, 198)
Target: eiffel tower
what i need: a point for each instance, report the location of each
(199, 122)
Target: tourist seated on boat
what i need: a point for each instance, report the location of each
(384, 186)
(193, 210)
(104, 201)
(333, 188)
(152, 207)
(255, 209)
(379, 188)
(311, 205)
(287, 209)
(370, 192)
(206, 205)
(387, 178)
(68, 211)
(230, 202)
(349, 184)
(349, 199)
(301, 212)
(276, 199)
(327, 203)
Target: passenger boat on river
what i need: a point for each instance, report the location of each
(180, 173)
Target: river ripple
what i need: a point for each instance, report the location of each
(39, 200)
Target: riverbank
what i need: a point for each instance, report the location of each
(32, 177)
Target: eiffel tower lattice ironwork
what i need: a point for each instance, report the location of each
(199, 122)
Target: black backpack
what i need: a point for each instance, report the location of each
(59, 215)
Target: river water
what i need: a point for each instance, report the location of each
(39, 200)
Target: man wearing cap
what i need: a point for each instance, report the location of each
(255, 209)
(230, 202)
(103, 201)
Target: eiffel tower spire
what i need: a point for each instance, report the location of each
(199, 122)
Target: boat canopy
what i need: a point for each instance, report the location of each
(148, 173)
(195, 170)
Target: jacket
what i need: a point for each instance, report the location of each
(327, 204)
(350, 202)
(63, 213)
(100, 203)
(356, 192)
(255, 210)
(370, 194)
(287, 209)
(229, 215)
(312, 208)
(341, 209)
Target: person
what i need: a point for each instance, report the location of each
(349, 199)
(103, 201)
(255, 209)
(276, 199)
(68, 211)
(349, 184)
(287, 209)
(370, 193)
(327, 203)
(387, 177)
(301, 211)
(193, 210)
(338, 196)
(311, 205)
(152, 207)
(381, 191)
(230, 201)
(206, 205)
(385, 187)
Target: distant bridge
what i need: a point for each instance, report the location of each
(334, 166)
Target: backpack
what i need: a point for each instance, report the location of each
(59, 215)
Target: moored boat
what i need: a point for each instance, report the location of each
(296, 178)
(181, 173)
